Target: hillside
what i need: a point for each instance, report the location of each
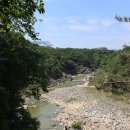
(114, 72)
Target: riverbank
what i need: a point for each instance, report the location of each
(78, 104)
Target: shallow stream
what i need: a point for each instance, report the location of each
(45, 113)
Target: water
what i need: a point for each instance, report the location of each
(45, 112)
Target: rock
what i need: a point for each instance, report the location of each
(53, 125)
(55, 112)
(61, 123)
(25, 107)
(95, 122)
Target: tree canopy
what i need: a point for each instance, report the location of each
(19, 61)
(18, 15)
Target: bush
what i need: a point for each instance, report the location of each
(77, 125)
(119, 91)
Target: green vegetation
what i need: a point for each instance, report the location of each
(77, 125)
(114, 72)
(18, 16)
(69, 60)
(18, 68)
(19, 62)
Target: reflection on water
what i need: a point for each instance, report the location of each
(45, 112)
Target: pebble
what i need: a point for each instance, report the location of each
(97, 111)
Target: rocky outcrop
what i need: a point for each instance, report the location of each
(59, 82)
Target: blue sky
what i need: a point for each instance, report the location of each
(84, 23)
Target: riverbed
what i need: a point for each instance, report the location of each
(80, 103)
(93, 109)
(47, 112)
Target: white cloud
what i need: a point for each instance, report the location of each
(81, 27)
(92, 21)
(126, 26)
(107, 23)
(89, 25)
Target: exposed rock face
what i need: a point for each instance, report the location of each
(77, 104)
(60, 81)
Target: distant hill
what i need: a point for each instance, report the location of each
(43, 43)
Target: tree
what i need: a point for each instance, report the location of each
(19, 66)
(18, 15)
(122, 19)
(19, 61)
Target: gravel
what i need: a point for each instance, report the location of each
(95, 113)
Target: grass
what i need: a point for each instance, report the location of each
(125, 98)
(108, 95)
(77, 125)
(117, 97)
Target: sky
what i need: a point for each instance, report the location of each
(84, 23)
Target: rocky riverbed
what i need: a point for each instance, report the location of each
(77, 104)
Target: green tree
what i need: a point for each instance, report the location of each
(18, 15)
(19, 66)
(19, 61)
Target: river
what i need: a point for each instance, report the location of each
(45, 113)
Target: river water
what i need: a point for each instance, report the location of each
(45, 113)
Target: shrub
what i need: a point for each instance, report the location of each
(119, 91)
(77, 125)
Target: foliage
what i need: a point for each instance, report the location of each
(56, 61)
(19, 66)
(19, 62)
(77, 125)
(114, 74)
(18, 15)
